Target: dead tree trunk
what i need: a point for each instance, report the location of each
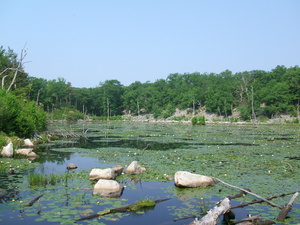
(211, 218)
(20, 64)
(282, 215)
(250, 193)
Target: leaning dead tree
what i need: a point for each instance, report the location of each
(212, 216)
(17, 69)
(223, 207)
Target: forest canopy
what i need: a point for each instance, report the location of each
(255, 93)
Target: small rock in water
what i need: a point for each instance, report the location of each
(71, 166)
(27, 142)
(135, 168)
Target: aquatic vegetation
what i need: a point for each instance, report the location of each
(262, 158)
(39, 179)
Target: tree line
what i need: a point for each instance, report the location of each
(253, 94)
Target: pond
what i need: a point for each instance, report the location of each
(263, 158)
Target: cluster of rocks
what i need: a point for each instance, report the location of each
(106, 185)
(26, 149)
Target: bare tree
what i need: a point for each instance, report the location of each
(18, 69)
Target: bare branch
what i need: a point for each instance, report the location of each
(250, 193)
(18, 69)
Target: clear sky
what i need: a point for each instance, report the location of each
(90, 41)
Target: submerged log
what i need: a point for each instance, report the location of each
(32, 201)
(259, 200)
(253, 220)
(282, 215)
(211, 218)
(250, 193)
(138, 206)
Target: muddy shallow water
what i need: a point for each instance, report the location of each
(262, 158)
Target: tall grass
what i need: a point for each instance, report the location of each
(38, 179)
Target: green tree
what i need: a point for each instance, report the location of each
(19, 116)
(112, 97)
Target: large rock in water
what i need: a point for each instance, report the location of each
(97, 174)
(134, 168)
(108, 188)
(28, 143)
(8, 150)
(187, 179)
(26, 151)
(118, 169)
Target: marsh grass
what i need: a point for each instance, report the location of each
(39, 179)
(244, 156)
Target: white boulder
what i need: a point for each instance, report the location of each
(187, 179)
(118, 169)
(97, 174)
(134, 168)
(26, 151)
(8, 150)
(28, 143)
(108, 188)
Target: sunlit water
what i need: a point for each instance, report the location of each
(244, 155)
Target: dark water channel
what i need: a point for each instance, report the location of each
(222, 151)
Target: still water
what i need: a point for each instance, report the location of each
(262, 158)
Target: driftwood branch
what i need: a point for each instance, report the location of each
(282, 215)
(32, 201)
(211, 218)
(260, 201)
(250, 219)
(250, 193)
(128, 208)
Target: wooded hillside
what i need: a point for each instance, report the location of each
(254, 93)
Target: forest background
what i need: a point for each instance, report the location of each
(26, 101)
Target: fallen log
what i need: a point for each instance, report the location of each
(238, 195)
(250, 193)
(282, 215)
(253, 220)
(211, 218)
(259, 200)
(32, 201)
(249, 219)
(135, 207)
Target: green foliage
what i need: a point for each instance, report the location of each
(19, 116)
(198, 120)
(3, 139)
(141, 205)
(278, 90)
(194, 121)
(74, 116)
(38, 179)
(66, 113)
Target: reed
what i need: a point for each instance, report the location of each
(38, 179)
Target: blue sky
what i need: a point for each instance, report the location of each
(90, 41)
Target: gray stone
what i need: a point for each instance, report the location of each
(8, 150)
(134, 168)
(108, 188)
(97, 174)
(187, 179)
(71, 166)
(28, 143)
(26, 151)
(118, 169)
